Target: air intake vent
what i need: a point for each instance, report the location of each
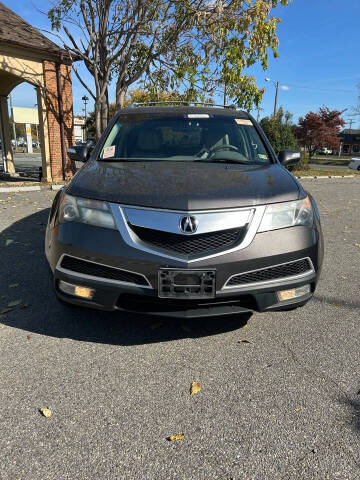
(190, 244)
(272, 273)
(102, 271)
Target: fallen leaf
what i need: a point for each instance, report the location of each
(178, 436)
(45, 411)
(28, 337)
(297, 409)
(156, 325)
(245, 326)
(337, 304)
(6, 310)
(14, 303)
(13, 285)
(195, 388)
(243, 340)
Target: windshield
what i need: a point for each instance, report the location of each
(188, 138)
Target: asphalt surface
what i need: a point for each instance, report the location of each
(285, 406)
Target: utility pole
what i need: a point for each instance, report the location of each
(351, 123)
(85, 99)
(276, 98)
(225, 93)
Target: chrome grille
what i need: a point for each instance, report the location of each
(272, 273)
(190, 244)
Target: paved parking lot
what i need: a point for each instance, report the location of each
(285, 406)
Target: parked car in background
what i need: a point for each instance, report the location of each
(184, 212)
(354, 164)
(325, 151)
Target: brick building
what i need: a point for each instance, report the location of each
(26, 55)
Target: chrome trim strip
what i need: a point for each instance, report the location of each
(170, 221)
(133, 241)
(244, 286)
(92, 277)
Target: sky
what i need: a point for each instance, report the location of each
(318, 64)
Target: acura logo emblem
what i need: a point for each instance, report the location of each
(189, 224)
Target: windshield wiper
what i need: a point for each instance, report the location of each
(122, 159)
(224, 160)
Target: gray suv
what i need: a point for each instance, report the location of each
(184, 211)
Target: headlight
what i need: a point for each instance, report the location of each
(288, 214)
(92, 212)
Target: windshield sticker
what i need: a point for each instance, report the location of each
(197, 115)
(243, 121)
(109, 152)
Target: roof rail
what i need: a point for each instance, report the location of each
(181, 102)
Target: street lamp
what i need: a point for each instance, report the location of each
(85, 99)
(276, 84)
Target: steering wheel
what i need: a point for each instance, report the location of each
(222, 147)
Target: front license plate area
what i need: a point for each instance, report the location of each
(190, 284)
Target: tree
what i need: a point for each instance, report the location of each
(320, 130)
(137, 95)
(280, 131)
(192, 46)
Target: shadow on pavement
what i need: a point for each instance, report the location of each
(354, 404)
(24, 276)
(338, 302)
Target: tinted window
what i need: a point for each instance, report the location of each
(192, 137)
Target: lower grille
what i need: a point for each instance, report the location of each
(102, 271)
(272, 273)
(190, 245)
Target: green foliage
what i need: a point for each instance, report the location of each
(193, 47)
(303, 165)
(280, 131)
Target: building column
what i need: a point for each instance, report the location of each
(44, 135)
(53, 116)
(6, 136)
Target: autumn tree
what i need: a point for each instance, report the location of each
(320, 130)
(192, 46)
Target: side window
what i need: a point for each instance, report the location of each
(256, 147)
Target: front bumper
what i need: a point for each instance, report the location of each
(107, 247)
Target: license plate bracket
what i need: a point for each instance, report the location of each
(189, 284)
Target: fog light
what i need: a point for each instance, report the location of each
(293, 293)
(76, 290)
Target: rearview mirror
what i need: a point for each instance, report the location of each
(78, 153)
(289, 157)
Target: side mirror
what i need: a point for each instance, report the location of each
(289, 158)
(78, 153)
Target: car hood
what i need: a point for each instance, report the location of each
(185, 185)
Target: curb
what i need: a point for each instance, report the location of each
(326, 176)
(29, 189)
